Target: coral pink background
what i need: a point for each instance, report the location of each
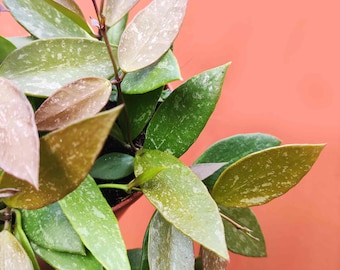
(283, 81)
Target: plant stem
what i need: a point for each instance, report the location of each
(116, 186)
(239, 226)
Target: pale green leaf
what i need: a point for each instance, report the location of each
(150, 34)
(6, 47)
(262, 176)
(96, 225)
(73, 102)
(182, 116)
(43, 20)
(182, 199)
(168, 248)
(67, 156)
(152, 77)
(12, 254)
(116, 9)
(21, 40)
(115, 32)
(67, 261)
(48, 227)
(211, 260)
(19, 140)
(44, 66)
(145, 177)
(238, 241)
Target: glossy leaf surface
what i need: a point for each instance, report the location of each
(19, 140)
(96, 225)
(182, 199)
(211, 260)
(73, 102)
(67, 261)
(66, 159)
(152, 77)
(262, 176)
(150, 34)
(6, 47)
(34, 67)
(238, 241)
(43, 20)
(168, 248)
(116, 9)
(135, 258)
(140, 108)
(112, 166)
(182, 116)
(12, 254)
(48, 227)
(233, 148)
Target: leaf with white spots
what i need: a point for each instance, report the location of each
(182, 116)
(43, 66)
(168, 248)
(19, 139)
(43, 20)
(96, 225)
(116, 9)
(164, 71)
(150, 34)
(182, 199)
(48, 227)
(73, 102)
(239, 242)
(262, 176)
(67, 156)
(12, 254)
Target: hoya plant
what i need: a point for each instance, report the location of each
(87, 117)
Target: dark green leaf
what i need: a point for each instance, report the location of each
(262, 176)
(67, 261)
(182, 199)
(182, 116)
(152, 77)
(43, 20)
(150, 34)
(48, 227)
(112, 166)
(116, 9)
(34, 67)
(66, 159)
(96, 225)
(6, 47)
(168, 248)
(232, 149)
(135, 258)
(19, 141)
(144, 263)
(238, 241)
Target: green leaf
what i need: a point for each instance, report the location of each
(210, 260)
(73, 102)
(135, 258)
(12, 254)
(152, 77)
(150, 34)
(144, 262)
(262, 176)
(115, 32)
(43, 20)
(48, 227)
(44, 66)
(19, 141)
(67, 261)
(182, 199)
(238, 241)
(96, 225)
(6, 47)
(67, 156)
(116, 9)
(233, 148)
(71, 10)
(145, 177)
(112, 166)
(182, 116)
(21, 41)
(23, 240)
(140, 108)
(168, 248)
